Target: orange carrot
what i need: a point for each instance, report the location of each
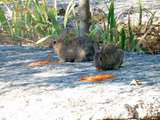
(96, 78)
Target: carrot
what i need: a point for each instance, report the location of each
(96, 78)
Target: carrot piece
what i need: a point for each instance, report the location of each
(38, 63)
(96, 78)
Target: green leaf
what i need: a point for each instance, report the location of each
(3, 21)
(122, 38)
(69, 9)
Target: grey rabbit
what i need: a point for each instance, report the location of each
(78, 49)
(108, 57)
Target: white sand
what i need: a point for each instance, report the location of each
(84, 102)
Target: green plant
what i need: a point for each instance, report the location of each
(111, 26)
(111, 31)
(122, 38)
(44, 18)
(11, 27)
(32, 20)
(4, 22)
(131, 45)
(69, 11)
(139, 32)
(140, 12)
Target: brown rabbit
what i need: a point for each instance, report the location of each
(108, 57)
(75, 50)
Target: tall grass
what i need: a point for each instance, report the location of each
(34, 20)
(111, 32)
(136, 34)
(4, 22)
(117, 33)
(31, 19)
(131, 43)
(69, 11)
(122, 39)
(111, 26)
(140, 12)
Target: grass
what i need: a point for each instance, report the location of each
(30, 19)
(109, 31)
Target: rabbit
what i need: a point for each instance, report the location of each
(78, 49)
(108, 57)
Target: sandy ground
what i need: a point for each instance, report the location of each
(54, 92)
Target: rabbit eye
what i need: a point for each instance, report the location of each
(100, 58)
(54, 42)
